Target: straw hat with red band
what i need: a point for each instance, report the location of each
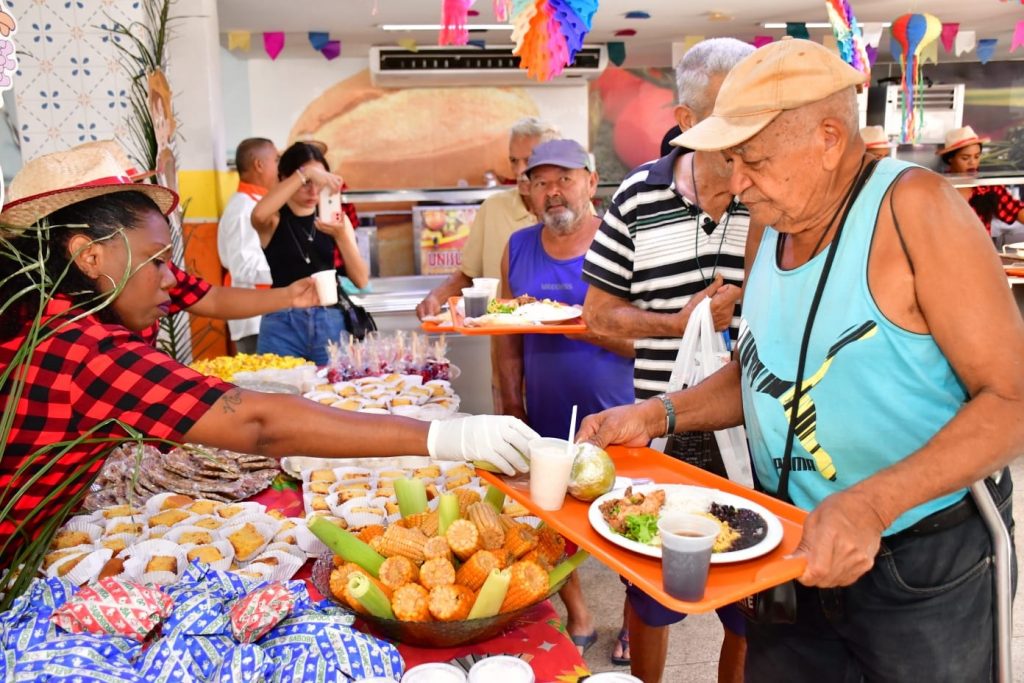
(54, 181)
(874, 137)
(960, 138)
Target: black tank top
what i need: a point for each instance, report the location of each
(298, 249)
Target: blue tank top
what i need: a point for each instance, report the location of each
(560, 371)
(874, 392)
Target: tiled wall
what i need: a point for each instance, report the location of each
(70, 87)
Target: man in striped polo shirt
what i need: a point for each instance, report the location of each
(673, 235)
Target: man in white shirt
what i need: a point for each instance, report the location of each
(238, 244)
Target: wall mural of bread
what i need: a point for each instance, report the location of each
(382, 138)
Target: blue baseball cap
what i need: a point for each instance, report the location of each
(563, 153)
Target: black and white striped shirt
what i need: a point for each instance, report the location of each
(651, 250)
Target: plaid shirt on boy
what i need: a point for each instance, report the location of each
(81, 376)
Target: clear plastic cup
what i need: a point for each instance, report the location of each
(550, 466)
(327, 287)
(475, 301)
(686, 542)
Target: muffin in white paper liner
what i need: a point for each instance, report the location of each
(287, 548)
(175, 535)
(285, 568)
(232, 510)
(308, 542)
(286, 530)
(80, 525)
(407, 411)
(129, 541)
(257, 573)
(321, 396)
(116, 525)
(225, 548)
(363, 381)
(353, 475)
(264, 530)
(155, 521)
(439, 387)
(261, 519)
(56, 557)
(135, 566)
(412, 380)
(209, 522)
(85, 570)
(358, 519)
(156, 503)
(205, 506)
(375, 411)
(345, 389)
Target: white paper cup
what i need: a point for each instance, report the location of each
(326, 287)
(550, 465)
(686, 542)
(488, 283)
(434, 672)
(501, 668)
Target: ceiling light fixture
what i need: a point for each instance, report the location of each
(815, 24)
(438, 27)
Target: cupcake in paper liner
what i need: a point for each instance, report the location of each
(321, 488)
(308, 542)
(170, 518)
(232, 510)
(314, 502)
(353, 474)
(188, 535)
(283, 565)
(205, 507)
(352, 403)
(54, 557)
(156, 562)
(289, 548)
(439, 387)
(259, 518)
(360, 512)
(346, 491)
(218, 555)
(286, 532)
(168, 501)
(119, 544)
(83, 570)
(76, 531)
(125, 525)
(249, 538)
(325, 397)
(375, 411)
(345, 389)
(413, 411)
(412, 381)
(211, 522)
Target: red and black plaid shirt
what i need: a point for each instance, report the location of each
(186, 292)
(86, 373)
(1007, 210)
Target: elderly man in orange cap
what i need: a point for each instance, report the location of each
(866, 376)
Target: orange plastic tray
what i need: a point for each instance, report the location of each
(458, 326)
(436, 328)
(727, 583)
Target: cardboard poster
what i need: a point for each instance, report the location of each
(440, 233)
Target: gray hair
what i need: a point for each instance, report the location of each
(532, 127)
(706, 59)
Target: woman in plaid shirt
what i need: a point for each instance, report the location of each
(92, 374)
(962, 153)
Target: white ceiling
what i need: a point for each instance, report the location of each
(354, 21)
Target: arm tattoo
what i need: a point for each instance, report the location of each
(232, 400)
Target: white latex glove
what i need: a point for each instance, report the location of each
(498, 439)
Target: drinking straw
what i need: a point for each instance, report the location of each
(572, 430)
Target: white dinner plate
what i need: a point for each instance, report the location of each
(772, 538)
(544, 314)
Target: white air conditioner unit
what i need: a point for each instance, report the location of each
(943, 111)
(397, 67)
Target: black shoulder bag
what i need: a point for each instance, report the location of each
(358, 320)
(778, 605)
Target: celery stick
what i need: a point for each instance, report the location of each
(369, 596)
(566, 567)
(495, 497)
(448, 512)
(412, 496)
(492, 594)
(345, 545)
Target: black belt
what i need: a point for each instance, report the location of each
(962, 510)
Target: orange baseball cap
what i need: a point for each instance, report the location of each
(783, 75)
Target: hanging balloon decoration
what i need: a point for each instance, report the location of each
(849, 37)
(548, 33)
(454, 15)
(911, 33)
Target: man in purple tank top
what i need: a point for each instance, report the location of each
(543, 375)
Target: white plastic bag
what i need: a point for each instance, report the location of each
(701, 354)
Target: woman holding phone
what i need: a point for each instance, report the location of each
(298, 242)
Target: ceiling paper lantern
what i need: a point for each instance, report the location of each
(548, 33)
(849, 37)
(912, 32)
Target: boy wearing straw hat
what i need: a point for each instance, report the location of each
(866, 377)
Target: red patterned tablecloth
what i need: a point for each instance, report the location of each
(541, 642)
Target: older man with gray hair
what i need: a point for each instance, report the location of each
(673, 235)
(867, 378)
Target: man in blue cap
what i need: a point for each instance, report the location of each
(543, 375)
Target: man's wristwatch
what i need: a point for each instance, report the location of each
(670, 414)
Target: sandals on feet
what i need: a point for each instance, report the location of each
(584, 642)
(623, 639)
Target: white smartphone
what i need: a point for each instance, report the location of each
(330, 206)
